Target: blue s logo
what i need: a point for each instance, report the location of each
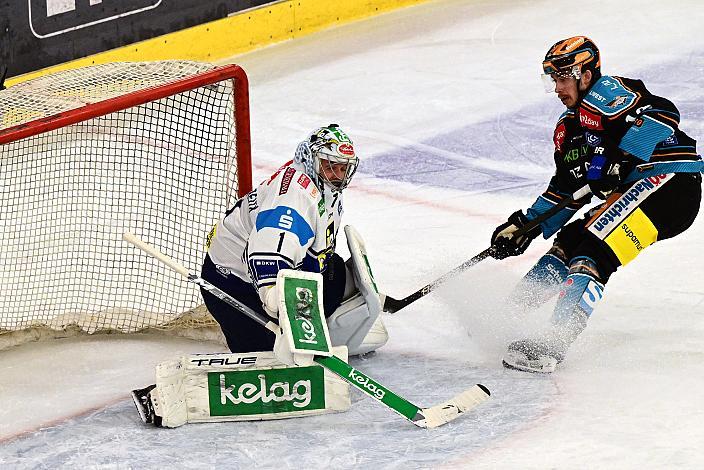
(287, 219)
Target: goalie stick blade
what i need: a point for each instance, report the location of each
(392, 305)
(452, 409)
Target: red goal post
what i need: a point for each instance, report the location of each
(161, 149)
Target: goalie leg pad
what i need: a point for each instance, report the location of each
(356, 323)
(244, 387)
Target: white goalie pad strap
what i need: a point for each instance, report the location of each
(351, 322)
(301, 315)
(244, 387)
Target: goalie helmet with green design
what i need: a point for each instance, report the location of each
(328, 157)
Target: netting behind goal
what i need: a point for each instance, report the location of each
(159, 149)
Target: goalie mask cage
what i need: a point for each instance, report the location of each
(161, 149)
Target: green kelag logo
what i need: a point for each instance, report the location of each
(253, 392)
(304, 315)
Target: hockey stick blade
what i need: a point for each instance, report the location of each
(452, 409)
(391, 305)
(422, 417)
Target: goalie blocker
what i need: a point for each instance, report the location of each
(239, 387)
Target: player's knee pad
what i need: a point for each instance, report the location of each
(579, 294)
(357, 316)
(243, 387)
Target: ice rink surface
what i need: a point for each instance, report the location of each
(454, 130)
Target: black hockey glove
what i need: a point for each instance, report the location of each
(503, 242)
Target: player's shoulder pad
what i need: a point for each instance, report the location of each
(290, 181)
(610, 96)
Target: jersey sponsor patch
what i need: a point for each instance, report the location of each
(304, 181)
(616, 102)
(672, 140)
(252, 203)
(286, 180)
(559, 136)
(632, 236)
(266, 267)
(614, 213)
(285, 218)
(592, 139)
(276, 173)
(590, 120)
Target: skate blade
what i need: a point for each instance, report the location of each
(541, 366)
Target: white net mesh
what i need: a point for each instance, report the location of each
(165, 170)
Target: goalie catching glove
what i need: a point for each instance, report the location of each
(505, 244)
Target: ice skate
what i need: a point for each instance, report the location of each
(534, 356)
(143, 403)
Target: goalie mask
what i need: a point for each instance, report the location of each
(328, 157)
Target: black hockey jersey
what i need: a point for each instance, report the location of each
(640, 128)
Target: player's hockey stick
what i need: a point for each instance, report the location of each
(422, 417)
(392, 305)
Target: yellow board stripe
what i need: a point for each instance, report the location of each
(246, 31)
(633, 235)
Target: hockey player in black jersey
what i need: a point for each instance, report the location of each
(625, 143)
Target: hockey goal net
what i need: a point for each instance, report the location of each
(160, 149)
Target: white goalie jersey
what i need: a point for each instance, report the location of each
(287, 222)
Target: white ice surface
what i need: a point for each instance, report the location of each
(629, 394)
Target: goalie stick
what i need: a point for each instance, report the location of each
(422, 417)
(392, 305)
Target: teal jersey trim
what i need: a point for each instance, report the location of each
(609, 96)
(662, 168)
(642, 137)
